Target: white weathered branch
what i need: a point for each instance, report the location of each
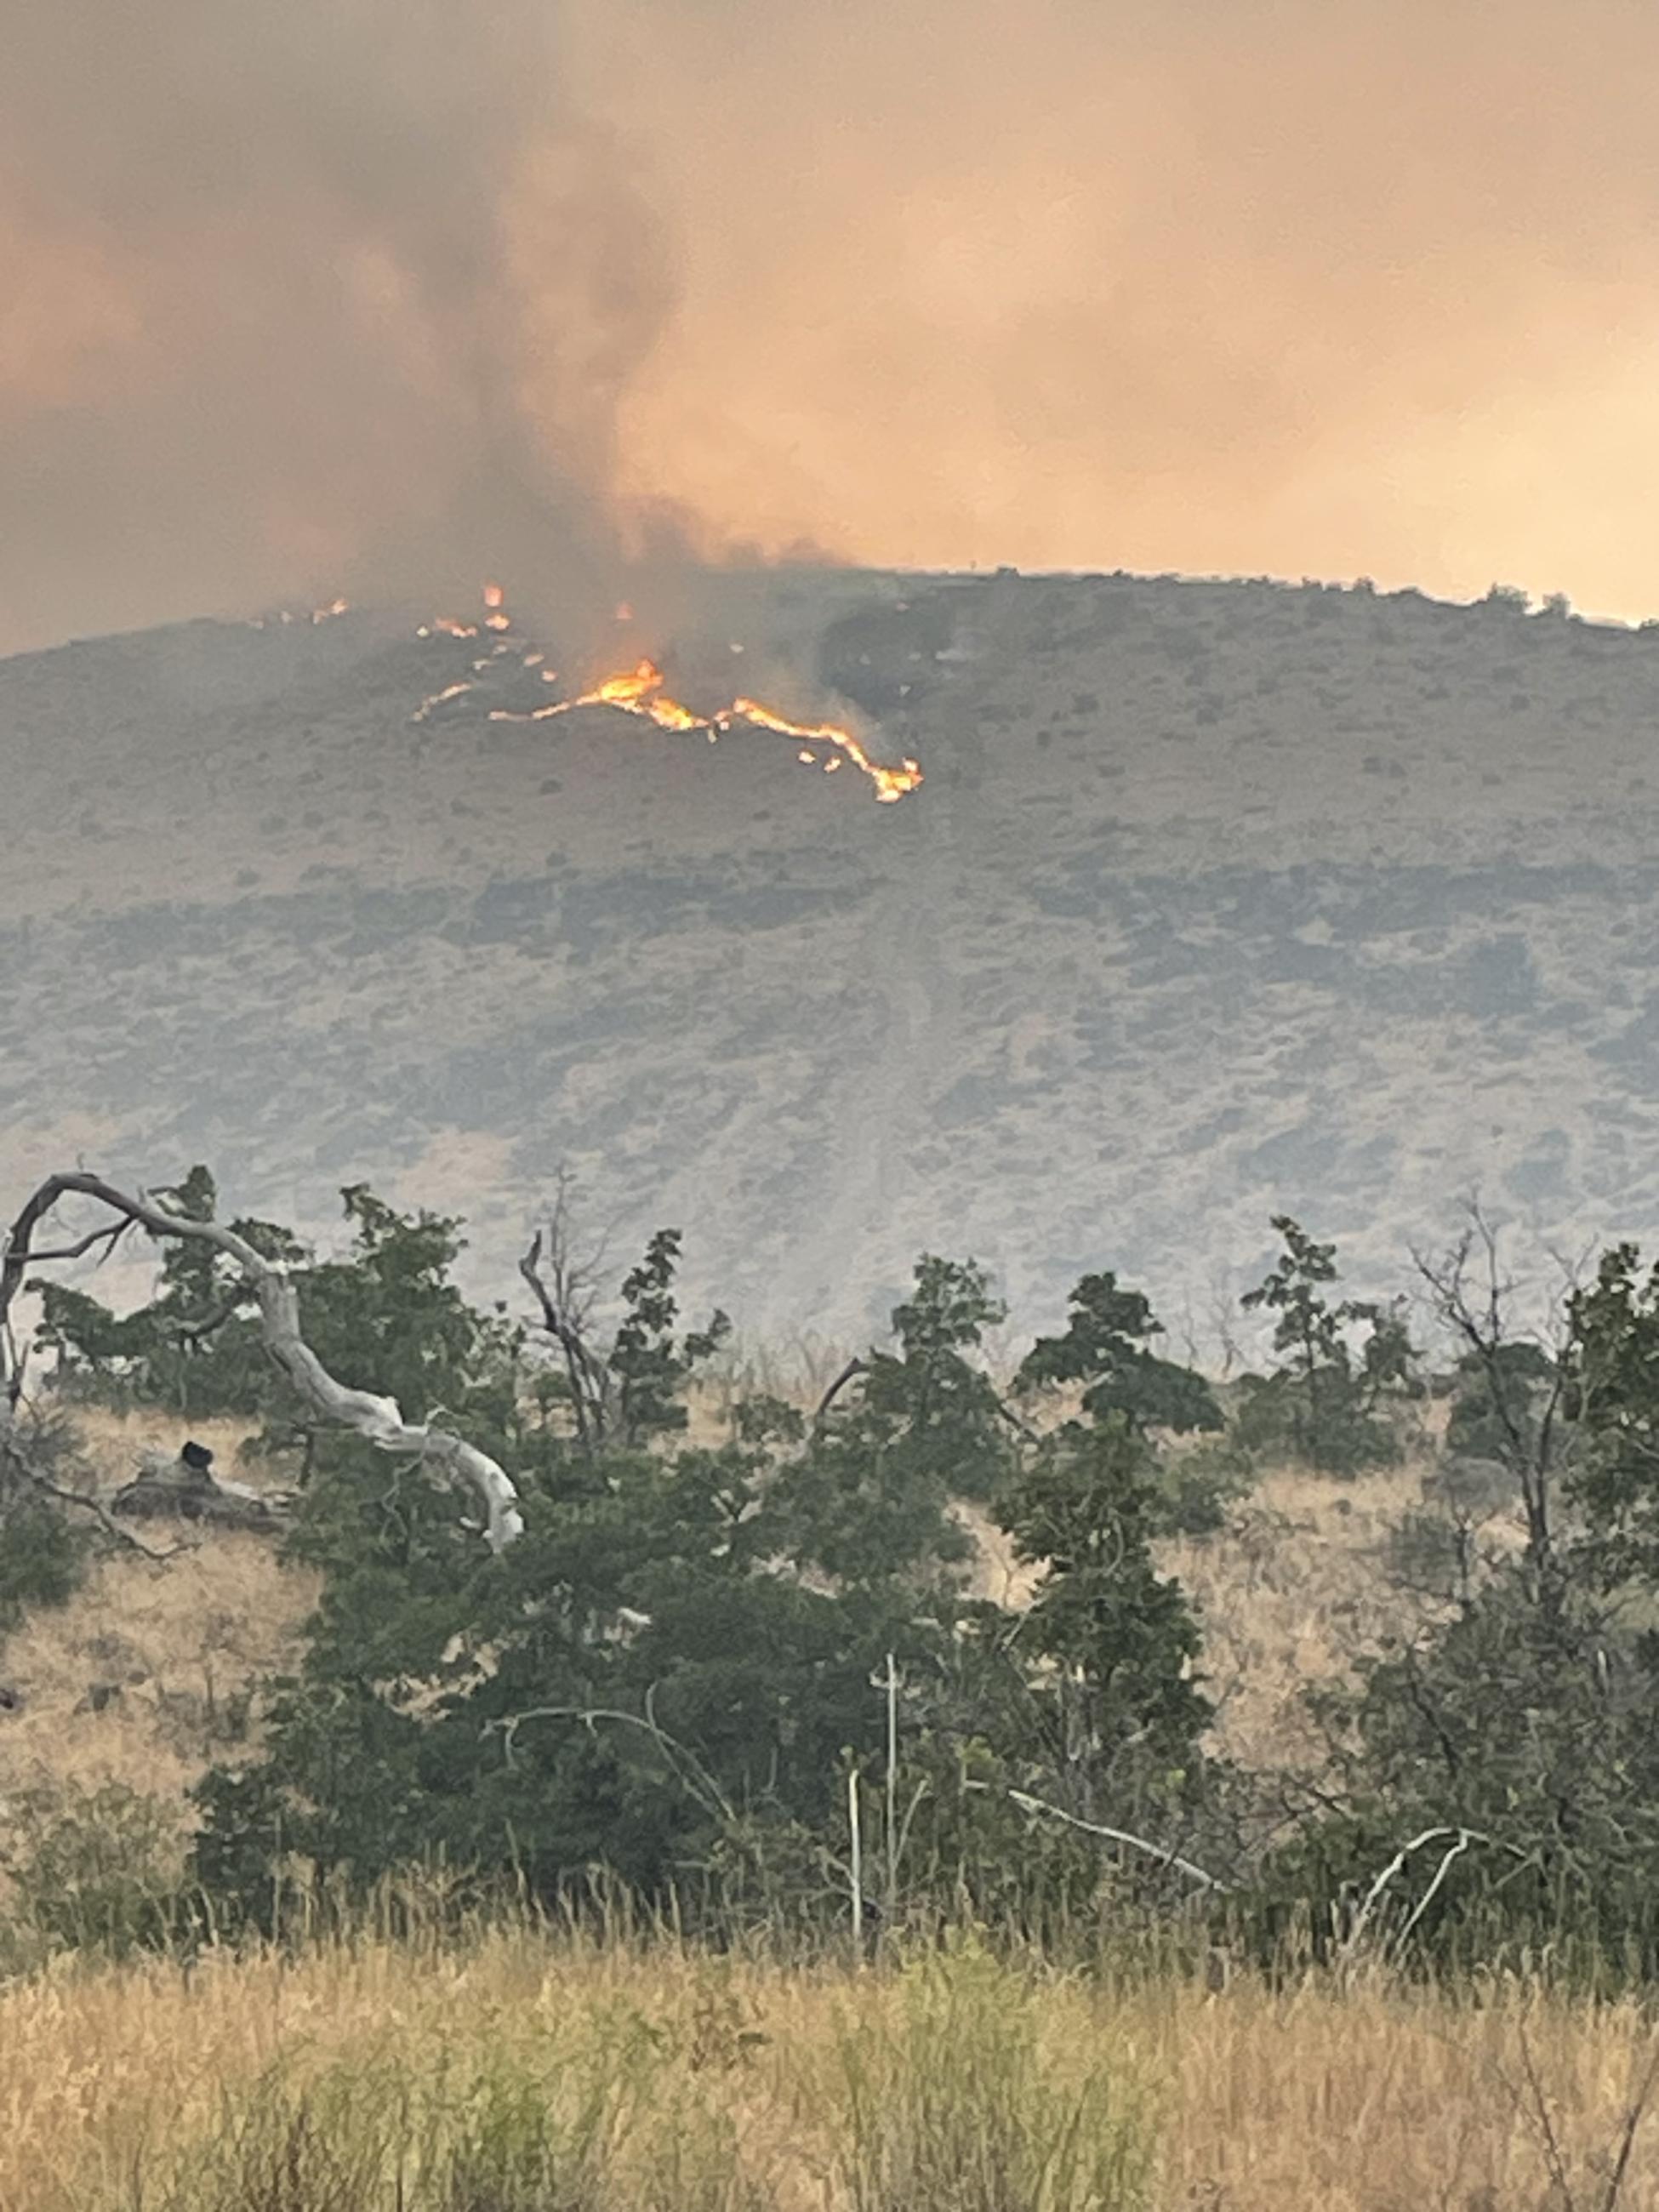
(1027, 1804)
(1461, 1838)
(378, 1419)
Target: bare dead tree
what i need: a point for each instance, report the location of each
(1472, 1298)
(1221, 1303)
(566, 1288)
(379, 1419)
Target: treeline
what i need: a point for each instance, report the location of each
(735, 1667)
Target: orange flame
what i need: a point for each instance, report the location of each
(639, 691)
(437, 699)
(891, 784)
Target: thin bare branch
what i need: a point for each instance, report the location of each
(1027, 1804)
(565, 1301)
(853, 1368)
(1554, 2157)
(687, 1769)
(109, 1236)
(1633, 2118)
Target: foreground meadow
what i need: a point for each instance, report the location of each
(523, 2072)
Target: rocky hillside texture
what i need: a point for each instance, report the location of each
(1218, 898)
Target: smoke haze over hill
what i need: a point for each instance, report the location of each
(382, 296)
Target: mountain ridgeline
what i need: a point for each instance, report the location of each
(1218, 898)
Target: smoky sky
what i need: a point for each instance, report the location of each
(304, 297)
(381, 295)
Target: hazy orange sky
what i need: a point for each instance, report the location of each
(379, 293)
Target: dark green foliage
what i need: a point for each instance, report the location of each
(43, 1553)
(651, 1369)
(868, 1498)
(1106, 1348)
(669, 1673)
(1327, 1402)
(42, 1556)
(933, 1389)
(385, 1316)
(1109, 1643)
(1497, 1404)
(1516, 1730)
(194, 1348)
(1195, 1488)
(1614, 1393)
(1122, 1636)
(1520, 1733)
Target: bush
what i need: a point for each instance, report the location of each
(97, 1869)
(42, 1556)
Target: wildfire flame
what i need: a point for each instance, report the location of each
(438, 699)
(891, 784)
(639, 691)
(287, 617)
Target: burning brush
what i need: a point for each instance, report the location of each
(640, 691)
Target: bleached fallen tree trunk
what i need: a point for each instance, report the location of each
(378, 1419)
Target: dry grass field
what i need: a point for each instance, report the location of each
(516, 2072)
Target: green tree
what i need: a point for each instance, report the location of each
(193, 1346)
(1107, 1347)
(650, 1367)
(869, 1497)
(1109, 1645)
(1326, 1401)
(1515, 1732)
(662, 1675)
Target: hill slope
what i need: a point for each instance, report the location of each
(1217, 897)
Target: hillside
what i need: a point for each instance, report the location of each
(149, 1673)
(1217, 897)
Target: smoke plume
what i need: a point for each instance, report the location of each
(382, 294)
(303, 297)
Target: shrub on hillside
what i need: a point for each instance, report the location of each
(95, 1869)
(42, 1554)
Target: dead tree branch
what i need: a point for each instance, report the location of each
(566, 1289)
(849, 1373)
(377, 1419)
(1472, 1297)
(1027, 1804)
(1460, 1840)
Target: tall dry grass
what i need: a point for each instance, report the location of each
(522, 2070)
